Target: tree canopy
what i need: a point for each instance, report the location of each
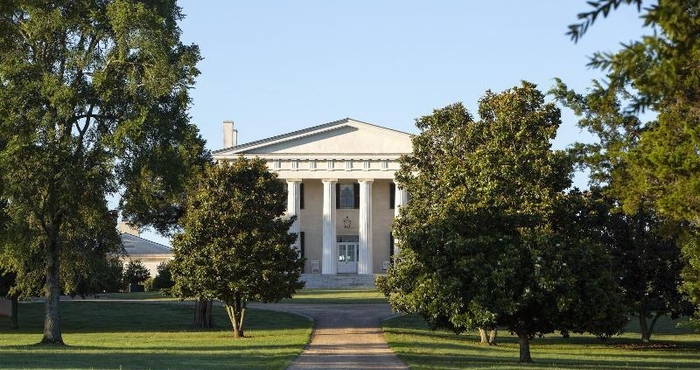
(654, 164)
(483, 240)
(236, 244)
(93, 102)
(644, 244)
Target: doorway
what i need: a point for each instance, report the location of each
(348, 253)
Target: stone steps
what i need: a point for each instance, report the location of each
(315, 281)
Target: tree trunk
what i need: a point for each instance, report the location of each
(492, 336)
(644, 328)
(524, 342)
(14, 318)
(483, 337)
(236, 313)
(488, 337)
(204, 313)
(648, 328)
(52, 312)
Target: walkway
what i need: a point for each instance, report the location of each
(344, 336)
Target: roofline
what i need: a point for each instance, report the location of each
(301, 132)
(161, 255)
(150, 241)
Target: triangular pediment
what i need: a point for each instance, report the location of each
(345, 137)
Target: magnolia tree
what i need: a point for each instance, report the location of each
(482, 241)
(236, 244)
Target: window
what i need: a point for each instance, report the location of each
(392, 195)
(301, 196)
(391, 247)
(301, 244)
(347, 196)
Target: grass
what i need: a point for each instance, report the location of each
(124, 335)
(421, 348)
(140, 296)
(337, 296)
(304, 296)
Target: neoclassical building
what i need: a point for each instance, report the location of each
(150, 253)
(339, 178)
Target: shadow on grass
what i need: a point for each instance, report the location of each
(418, 361)
(131, 335)
(237, 344)
(450, 356)
(133, 317)
(421, 348)
(164, 360)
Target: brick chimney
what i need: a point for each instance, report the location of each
(230, 135)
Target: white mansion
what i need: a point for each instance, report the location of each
(339, 178)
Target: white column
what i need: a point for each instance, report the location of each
(329, 264)
(400, 199)
(293, 208)
(364, 265)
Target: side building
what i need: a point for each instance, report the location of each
(340, 182)
(150, 253)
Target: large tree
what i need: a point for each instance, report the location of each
(661, 72)
(479, 241)
(236, 244)
(93, 102)
(643, 243)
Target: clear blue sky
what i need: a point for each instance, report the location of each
(279, 66)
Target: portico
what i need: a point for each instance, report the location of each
(340, 186)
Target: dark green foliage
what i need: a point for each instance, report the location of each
(104, 275)
(135, 272)
(645, 257)
(235, 245)
(482, 240)
(651, 168)
(660, 72)
(164, 279)
(93, 102)
(649, 263)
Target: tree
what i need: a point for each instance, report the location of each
(93, 101)
(643, 244)
(236, 245)
(660, 72)
(649, 263)
(135, 272)
(480, 241)
(164, 279)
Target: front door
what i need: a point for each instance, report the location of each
(347, 257)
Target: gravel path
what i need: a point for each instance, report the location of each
(344, 337)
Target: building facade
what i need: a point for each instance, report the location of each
(340, 182)
(136, 248)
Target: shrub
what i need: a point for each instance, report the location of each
(164, 279)
(148, 285)
(135, 272)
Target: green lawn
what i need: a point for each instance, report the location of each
(123, 335)
(304, 296)
(337, 296)
(140, 296)
(420, 348)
